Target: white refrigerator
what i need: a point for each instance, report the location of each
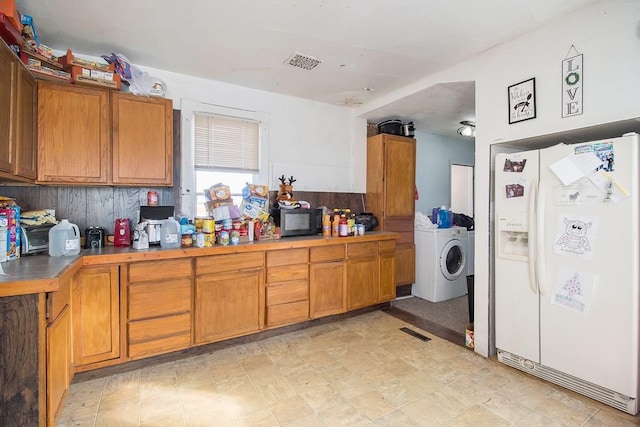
(567, 266)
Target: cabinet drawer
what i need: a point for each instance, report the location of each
(159, 299)
(286, 292)
(59, 299)
(362, 250)
(287, 257)
(161, 335)
(387, 246)
(217, 263)
(287, 272)
(327, 253)
(151, 329)
(287, 313)
(159, 270)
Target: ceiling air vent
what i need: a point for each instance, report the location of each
(302, 61)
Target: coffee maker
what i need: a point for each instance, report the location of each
(154, 216)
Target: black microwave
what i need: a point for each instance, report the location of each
(298, 222)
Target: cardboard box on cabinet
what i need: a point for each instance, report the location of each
(10, 230)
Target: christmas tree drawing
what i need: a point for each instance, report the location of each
(572, 286)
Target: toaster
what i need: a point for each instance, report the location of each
(34, 239)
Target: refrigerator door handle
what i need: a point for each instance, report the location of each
(540, 265)
(532, 248)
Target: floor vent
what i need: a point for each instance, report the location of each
(415, 334)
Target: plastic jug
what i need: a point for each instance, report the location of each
(170, 233)
(444, 217)
(64, 239)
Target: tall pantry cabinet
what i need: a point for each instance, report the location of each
(391, 177)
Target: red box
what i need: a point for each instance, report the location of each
(70, 60)
(8, 8)
(8, 31)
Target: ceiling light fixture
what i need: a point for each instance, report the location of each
(467, 129)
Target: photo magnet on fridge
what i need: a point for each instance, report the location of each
(514, 165)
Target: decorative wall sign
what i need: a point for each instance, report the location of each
(572, 81)
(522, 101)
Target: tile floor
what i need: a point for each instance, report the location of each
(360, 371)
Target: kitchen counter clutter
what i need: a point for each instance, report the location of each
(113, 305)
(39, 273)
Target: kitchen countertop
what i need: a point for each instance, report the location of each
(40, 273)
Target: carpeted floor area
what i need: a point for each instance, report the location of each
(452, 314)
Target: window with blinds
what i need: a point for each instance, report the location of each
(226, 143)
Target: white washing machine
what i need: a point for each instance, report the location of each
(441, 263)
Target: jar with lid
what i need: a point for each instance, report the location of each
(343, 227)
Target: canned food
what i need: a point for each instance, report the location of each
(224, 238)
(359, 229)
(235, 237)
(186, 241)
(227, 224)
(198, 224)
(152, 198)
(200, 240)
(208, 225)
(209, 239)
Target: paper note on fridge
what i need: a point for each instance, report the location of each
(571, 168)
(573, 290)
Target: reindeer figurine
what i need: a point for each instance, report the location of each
(285, 194)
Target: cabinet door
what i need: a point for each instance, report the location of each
(229, 304)
(58, 363)
(7, 69)
(96, 315)
(387, 290)
(362, 274)
(142, 140)
(73, 134)
(405, 264)
(400, 176)
(25, 153)
(327, 290)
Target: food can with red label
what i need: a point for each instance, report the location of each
(152, 198)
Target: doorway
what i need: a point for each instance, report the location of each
(462, 189)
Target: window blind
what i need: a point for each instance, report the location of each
(226, 143)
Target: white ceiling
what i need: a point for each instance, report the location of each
(368, 48)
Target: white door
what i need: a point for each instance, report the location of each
(516, 296)
(589, 270)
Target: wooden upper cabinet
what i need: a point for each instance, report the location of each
(142, 140)
(17, 119)
(7, 70)
(25, 153)
(391, 176)
(73, 134)
(400, 177)
(95, 136)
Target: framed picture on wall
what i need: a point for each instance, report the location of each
(522, 101)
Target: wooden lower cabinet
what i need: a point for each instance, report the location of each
(229, 296)
(159, 297)
(405, 264)
(96, 317)
(59, 362)
(327, 290)
(362, 274)
(387, 289)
